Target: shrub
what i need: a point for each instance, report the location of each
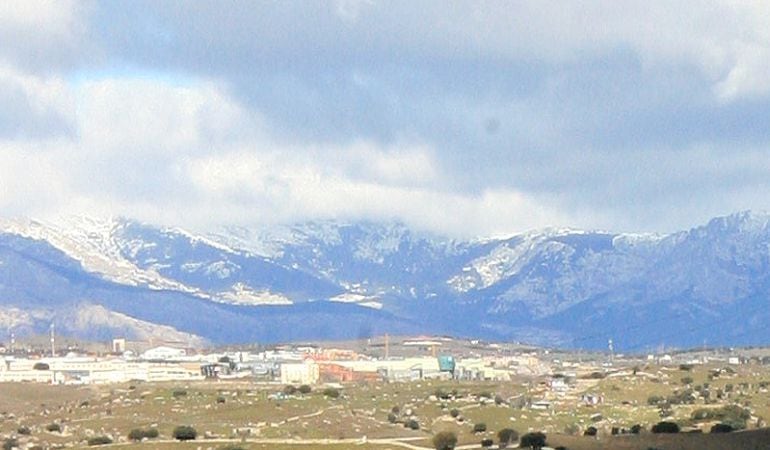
(392, 418)
(136, 434)
(590, 431)
(232, 447)
(289, 390)
(10, 444)
(395, 410)
(412, 424)
(41, 366)
(24, 430)
(454, 412)
(665, 427)
(304, 389)
(686, 380)
(99, 440)
(221, 399)
(722, 428)
(507, 436)
(179, 393)
(499, 400)
(636, 429)
(184, 433)
(486, 443)
(445, 440)
(685, 367)
(534, 440)
(332, 392)
(151, 433)
(655, 400)
(480, 427)
(53, 427)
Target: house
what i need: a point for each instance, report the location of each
(164, 353)
(306, 372)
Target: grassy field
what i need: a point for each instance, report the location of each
(226, 413)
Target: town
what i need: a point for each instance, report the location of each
(379, 392)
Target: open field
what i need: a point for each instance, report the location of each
(249, 414)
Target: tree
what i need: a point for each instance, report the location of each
(184, 433)
(304, 389)
(665, 427)
(41, 366)
(533, 441)
(480, 427)
(445, 440)
(507, 436)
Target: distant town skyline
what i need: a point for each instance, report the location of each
(464, 118)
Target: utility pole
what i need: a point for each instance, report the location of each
(53, 341)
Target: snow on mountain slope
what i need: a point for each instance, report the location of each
(92, 242)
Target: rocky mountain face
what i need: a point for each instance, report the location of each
(97, 278)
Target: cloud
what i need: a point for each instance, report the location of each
(467, 117)
(45, 35)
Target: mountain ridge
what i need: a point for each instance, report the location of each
(557, 286)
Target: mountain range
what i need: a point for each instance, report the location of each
(101, 278)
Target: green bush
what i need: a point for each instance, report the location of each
(331, 392)
(533, 441)
(392, 418)
(10, 444)
(454, 412)
(137, 434)
(53, 427)
(445, 440)
(177, 393)
(507, 436)
(412, 424)
(289, 390)
(480, 427)
(590, 431)
(305, 389)
(99, 440)
(24, 430)
(487, 443)
(184, 433)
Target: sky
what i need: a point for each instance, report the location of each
(465, 118)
